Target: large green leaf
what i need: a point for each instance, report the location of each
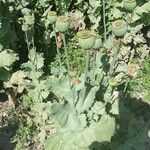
(81, 139)
(85, 104)
(104, 129)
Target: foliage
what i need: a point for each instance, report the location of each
(141, 86)
(7, 57)
(78, 57)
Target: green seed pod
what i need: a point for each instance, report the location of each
(86, 39)
(98, 41)
(129, 4)
(29, 20)
(52, 16)
(119, 27)
(62, 23)
(25, 27)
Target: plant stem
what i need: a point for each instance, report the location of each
(67, 58)
(87, 66)
(94, 65)
(66, 53)
(126, 85)
(58, 52)
(27, 41)
(73, 91)
(115, 57)
(104, 21)
(28, 46)
(31, 46)
(35, 60)
(86, 72)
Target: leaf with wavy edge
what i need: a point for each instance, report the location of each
(7, 58)
(66, 139)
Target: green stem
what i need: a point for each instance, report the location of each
(132, 55)
(27, 41)
(86, 72)
(33, 46)
(67, 58)
(73, 91)
(58, 52)
(126, 85)
(112, 65)
(28, 46)
(87, 66)
(33, 43)
(104, 20)
(66, 53)
(81, 102)
(94, 65)
(35, 60)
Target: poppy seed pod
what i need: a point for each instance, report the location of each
(129, 4)
(86, 39)
(119, 27)
(98, 41)
(62, 23)
(52, 16)
(29, 19)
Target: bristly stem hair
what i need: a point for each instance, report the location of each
(86, 73)
(67, 58)
(58, 52)
(104, 21)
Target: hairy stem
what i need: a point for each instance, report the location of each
(31, 45)
(67, 58)
(27, 41)
(104, 20)
(58, 52)
(66, 53)
(35, 58)
(87, 66)
(94, 65)
(73, 91)
(86, 73)
(126, 85)
(112, 65)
